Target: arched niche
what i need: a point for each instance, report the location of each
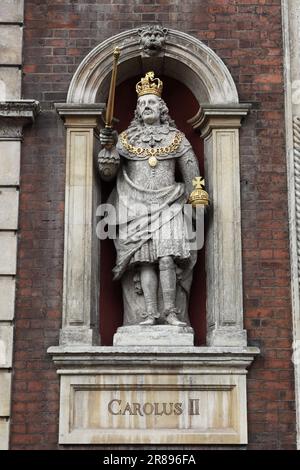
(184, 58)
(111, 307)
(188, 60)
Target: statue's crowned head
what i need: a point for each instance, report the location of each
(149, 85)
(151, 108)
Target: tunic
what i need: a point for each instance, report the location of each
(149, 203)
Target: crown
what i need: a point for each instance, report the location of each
(149, 85)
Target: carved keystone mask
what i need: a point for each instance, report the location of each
(152, 39)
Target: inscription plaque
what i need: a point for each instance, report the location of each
(150, 409)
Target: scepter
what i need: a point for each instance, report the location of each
(112, 88)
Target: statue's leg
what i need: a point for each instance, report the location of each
(149, 284)
(168, 286)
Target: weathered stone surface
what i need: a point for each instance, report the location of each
(7, 298)
(154, 408)
(4, 433)
(152, 39)
(99, 389)
(21, 111)
(14, 115)
(80, 265)
(10, 83)
(291, 42)
(10, 163)
(76, 335)
(220, 129)
(157, 335)
(6, 343)
(9, 205)
(291, 14)
(11, 44)
(8, 243)
(229, 336)
(11, 11)
(5, 385)
(204, 72)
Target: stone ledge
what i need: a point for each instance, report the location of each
(93, 359)
(219, 116)
(71, 109)
(14, 115)
(19, 109)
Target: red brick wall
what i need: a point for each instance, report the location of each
(246, 34)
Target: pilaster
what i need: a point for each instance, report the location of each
(219, 126)
(81, 260)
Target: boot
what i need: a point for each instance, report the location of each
(150, 317)
(171, 317)
(150, 320)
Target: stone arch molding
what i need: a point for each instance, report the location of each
(201, 70)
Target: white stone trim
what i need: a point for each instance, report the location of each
(11, 11)
(6, 345)
(14, 115)
(97, 374)
(291, 40)
(10, 163)
(4, 433)
(5, 386)
(296, 135)
(81, 253)
(7, 298)
(219, 126)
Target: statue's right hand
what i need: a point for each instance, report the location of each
(108, 137)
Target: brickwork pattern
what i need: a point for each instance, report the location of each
(246, 34)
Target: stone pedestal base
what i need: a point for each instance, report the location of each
(145, 395)
(155, 335)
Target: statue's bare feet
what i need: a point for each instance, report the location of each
(171, 318)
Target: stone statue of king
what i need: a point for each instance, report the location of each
(154, 256)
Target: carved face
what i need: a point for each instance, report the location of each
(152, 39)
(149, 109)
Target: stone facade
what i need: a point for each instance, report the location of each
(11, 14)
(14, 115)
(57, 37)
(291, 36)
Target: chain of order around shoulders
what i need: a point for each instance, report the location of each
(152, 152)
